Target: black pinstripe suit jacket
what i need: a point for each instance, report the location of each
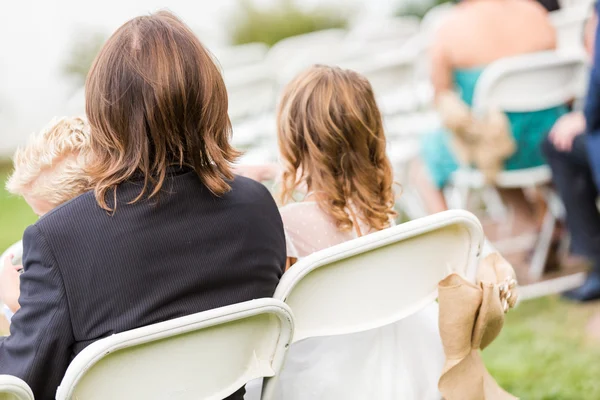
(89, 274)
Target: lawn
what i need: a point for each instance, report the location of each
(542, 353)
(15, 214)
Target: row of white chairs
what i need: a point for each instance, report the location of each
(384, 50)
(253, 88)
(359, 285)
(527, 83)
(524, 83)
(391, 52)
(396, 66)
(361, 36)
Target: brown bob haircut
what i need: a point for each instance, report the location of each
(155, 99)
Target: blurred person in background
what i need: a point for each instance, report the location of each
(475, 34)
(573, 153)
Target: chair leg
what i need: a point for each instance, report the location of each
(268, 388)
(494, 204)
(540, 254)
(555, 204)
(457, 197)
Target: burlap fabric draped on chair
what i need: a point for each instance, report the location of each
(471, 317)
(483, 141)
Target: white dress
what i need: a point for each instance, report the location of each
(401, 361)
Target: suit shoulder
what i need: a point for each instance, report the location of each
(242, 186)
(77, 208)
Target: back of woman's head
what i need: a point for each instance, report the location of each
(331, 138)
(155, 99)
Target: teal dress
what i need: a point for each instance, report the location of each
(528, 129)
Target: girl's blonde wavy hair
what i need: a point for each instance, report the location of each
(331, 139)
(51, 167)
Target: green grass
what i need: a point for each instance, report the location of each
(286, 18)
(15, 214)
(542, 353)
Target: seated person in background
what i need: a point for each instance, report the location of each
(167, 231)
(333, 147)
(475, 34)
(48, 171)
(574, 159)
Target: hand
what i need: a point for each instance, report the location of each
(9, 284)
(566, 129)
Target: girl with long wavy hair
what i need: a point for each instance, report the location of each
(333, 147)
(333, 152)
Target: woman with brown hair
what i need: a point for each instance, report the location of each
(167, 230)
(332, 148)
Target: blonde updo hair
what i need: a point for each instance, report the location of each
(51, 167)
(331, 138)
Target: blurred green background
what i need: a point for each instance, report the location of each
(15, 214)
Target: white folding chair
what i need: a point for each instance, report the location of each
(401, 154)
(392, 76)
(434, 19)
(379, 278)
(565, 4)
(371, 36)
(290, 56)
(255, 132)
(377, 29)
(241, 55)
(569, 24)
(208, 356)
(251, 91)
(523, 83)
(13, 388)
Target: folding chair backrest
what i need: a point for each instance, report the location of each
(379, 278)
(530, 82)
(387, 72)
(208, 356)
(292, 55)
(569, 24)
(434, 18)
(251, 91)
(241, 55)
(13, 388)
(378, 29)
